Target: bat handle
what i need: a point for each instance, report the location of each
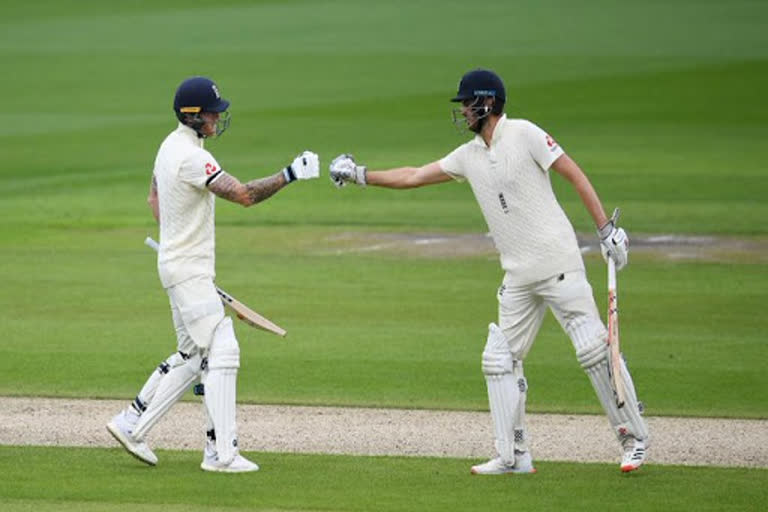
(151, 243)
(611, 274)
(615, 216)
(611, 263)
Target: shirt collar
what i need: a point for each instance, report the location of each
(189, 133)
(497, 132)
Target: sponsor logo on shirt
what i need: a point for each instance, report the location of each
(210, 169)
(503, 203)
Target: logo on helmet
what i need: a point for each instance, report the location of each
(216, 91)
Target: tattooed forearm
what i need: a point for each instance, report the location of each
(261, 189)
(228, 187)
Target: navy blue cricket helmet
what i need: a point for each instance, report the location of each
(196, 95)
(475, 88)
(480, 83)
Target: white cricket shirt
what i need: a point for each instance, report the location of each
(511, 183)
(183, 169)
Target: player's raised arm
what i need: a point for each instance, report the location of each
(305, 166)
(345, 170)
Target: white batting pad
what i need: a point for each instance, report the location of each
(224, 351)
(503, 392)
(171, 388)
(633, 409)
(221, 389)
(585, 331)
(503, 396)
(518, 420)
(220, 392)
(626, 421)
(147, 392)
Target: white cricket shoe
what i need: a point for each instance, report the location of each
(121, 428)
(523, 464)
(634, 455)
(238, 465)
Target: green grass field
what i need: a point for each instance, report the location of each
(662, 103)
(406, 331)
(99, 479)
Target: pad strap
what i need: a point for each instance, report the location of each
(171, 388)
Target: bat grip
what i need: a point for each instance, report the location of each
(611, 274)
(151, 243)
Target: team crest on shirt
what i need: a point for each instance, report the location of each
(210, 169)
(552, 143)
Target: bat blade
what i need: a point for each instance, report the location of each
(242, 311)
(613, 336)
(248, 315)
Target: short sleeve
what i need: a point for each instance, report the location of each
(451, 164)
(544, 149)
(199, 169)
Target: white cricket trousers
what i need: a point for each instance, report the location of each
(197, 311)
(568, 295)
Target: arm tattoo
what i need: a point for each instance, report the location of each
(228, 187)
(262, 188)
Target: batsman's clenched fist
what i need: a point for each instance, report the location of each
(304, 167)
(344, 170)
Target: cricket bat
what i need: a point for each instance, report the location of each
(242, 311)
(613, 335)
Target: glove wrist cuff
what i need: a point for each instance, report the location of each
(362, 175)
(288, 174)
(605, 230)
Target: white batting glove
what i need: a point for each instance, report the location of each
(306, 166)
(614, 242)
(344, 170)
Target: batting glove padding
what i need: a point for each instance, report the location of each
(614, 243)
(306, 166)
(344, 170)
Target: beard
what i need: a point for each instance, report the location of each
(477, 124)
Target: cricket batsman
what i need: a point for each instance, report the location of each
(185, 182)
(507, 165)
